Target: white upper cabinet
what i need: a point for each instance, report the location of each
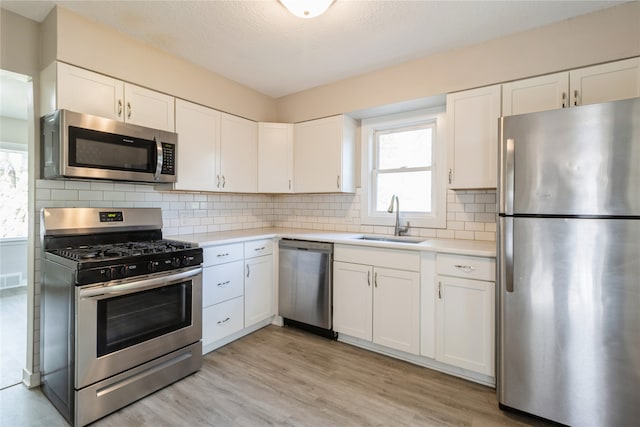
(606, 82)
(472, 130)
(590, 85)
(324, 155)
(535, 94)
(238, 155)
(198, 131)
(148, 108)
(67, 87)
(275, 157)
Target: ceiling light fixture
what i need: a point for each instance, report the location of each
(307, 8)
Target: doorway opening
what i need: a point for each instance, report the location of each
(16, 119)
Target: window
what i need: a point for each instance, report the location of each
(403, 154)
(13, 190)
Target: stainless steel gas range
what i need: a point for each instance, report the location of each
(120, 309)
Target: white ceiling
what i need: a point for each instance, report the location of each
(260, 45)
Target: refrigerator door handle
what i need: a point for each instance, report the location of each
(508, 177)
(506, 253)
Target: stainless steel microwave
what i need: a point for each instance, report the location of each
(83, 146)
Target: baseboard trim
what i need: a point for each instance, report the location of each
(30, 379)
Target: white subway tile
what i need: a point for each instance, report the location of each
(465, 235)
(64, 194)
(76, 185)
(485, 235)
(102, 186)
(49, 183)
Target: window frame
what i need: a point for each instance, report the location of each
(368, 214)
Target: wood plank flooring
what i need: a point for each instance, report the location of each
(286, 377)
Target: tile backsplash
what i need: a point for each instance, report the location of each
(470, 214)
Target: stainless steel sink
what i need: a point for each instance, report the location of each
(393, 239)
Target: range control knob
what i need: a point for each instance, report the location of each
(119, 271)
(106, 273)
(175, 262)
(153, 266)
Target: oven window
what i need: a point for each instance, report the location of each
(127, 320)
(102, 150)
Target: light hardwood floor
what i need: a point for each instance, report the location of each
(287, 377)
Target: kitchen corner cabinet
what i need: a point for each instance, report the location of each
(589, 85)
(238, 171)
(275, 157)
(64, 86)
(198, 131)
(465, 312)
(374, 302)
(472, 130)
(258, 282)
(324, 155)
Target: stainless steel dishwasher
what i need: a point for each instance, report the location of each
(305, 291)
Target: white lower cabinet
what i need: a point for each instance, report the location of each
(258, 282)
(376, 303)
(465, 313)
(237, 291)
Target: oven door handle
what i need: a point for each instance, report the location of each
(138, 285)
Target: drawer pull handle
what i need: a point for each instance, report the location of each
(368, 278)
(224, 321)
(465, 268)
(375, 279)
(248, 270)
(259, 249)
(224, 283)
(439, 290)
(222, 255)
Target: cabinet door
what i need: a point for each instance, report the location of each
(324, 155)
(275, 157)
(396, 309)
(258, 290)
(87, 92)
(465, 324)
(148, 108)
(238, 154)
(472, 127)
(198, 131)
(537, 94)
(607, 82)
(352, 299)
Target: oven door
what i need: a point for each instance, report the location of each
(122, 325)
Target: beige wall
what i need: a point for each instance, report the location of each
(18, 44)
(96, 47)
(590, 39)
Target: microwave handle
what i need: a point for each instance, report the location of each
(159, 163)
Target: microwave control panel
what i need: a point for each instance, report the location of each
(168, 159)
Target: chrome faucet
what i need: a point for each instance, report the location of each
(398, 231)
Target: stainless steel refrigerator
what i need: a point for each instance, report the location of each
(569, 264)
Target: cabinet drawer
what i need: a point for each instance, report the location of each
(258, 248)
(213, 255)
(221, 320)
(390, 258)
(222, 282)
(468, 267)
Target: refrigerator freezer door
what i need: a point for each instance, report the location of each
(578, 161)
(569, 341)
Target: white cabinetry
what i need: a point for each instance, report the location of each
(465, 312)
(67, 87)
(590, 85)
(237, 291)
(238, 171)
(275, 157)
(198, 131)
(324, 155)
(374, 302)
(222, 293)
(472, 129)
(258, 282)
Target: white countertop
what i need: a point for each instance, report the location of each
(460, 247)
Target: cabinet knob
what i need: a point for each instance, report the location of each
(450, 175)
(564, 100)
(248, 270)
(119, 107)
(575, 98)
(338, 182)
(128, 110)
